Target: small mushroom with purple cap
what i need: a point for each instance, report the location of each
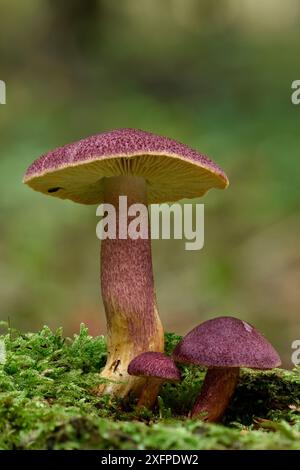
(157, 368)
(146, 168)
(223, 345)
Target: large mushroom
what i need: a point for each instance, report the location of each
(147, 169)
(223, 345)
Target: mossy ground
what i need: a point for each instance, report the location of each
(45, 403)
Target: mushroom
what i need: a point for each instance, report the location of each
(147, 169)
(157, 368)
(223, 345)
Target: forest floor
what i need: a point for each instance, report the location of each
(46, 402)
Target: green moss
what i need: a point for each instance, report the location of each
(45, 403)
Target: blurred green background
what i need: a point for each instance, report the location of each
(215, 74)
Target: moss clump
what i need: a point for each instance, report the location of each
(45, 403)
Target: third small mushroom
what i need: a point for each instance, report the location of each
(157, 368)
(147, 168)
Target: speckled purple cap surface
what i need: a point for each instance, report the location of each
(172, 170)
(226, 342)
(154, 364)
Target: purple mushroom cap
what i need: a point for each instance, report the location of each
(226, 342)
(154, 364)
(172, 170)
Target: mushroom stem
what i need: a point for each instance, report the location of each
(133, 323)
(216, 393)
(149, 393)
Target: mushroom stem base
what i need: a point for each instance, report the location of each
(149, 393)
(133, 323)
(216, 393)
(120, 354)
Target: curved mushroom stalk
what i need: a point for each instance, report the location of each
(128, 293)
(149, 393)
(216, 393)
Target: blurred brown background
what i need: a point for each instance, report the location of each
(214, 74)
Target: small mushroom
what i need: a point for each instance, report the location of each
(223, 345)
(156, 368)
(146, 168)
